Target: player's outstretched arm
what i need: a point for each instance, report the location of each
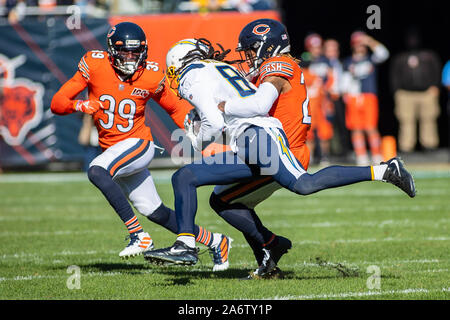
(257, 104)
(63, 101)
(175, 107)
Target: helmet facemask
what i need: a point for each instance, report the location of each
(128, 59)
(251, 60)
(184, 53)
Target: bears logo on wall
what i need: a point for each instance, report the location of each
(20, 102)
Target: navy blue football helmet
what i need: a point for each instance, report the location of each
(260, 40)
(127, 48)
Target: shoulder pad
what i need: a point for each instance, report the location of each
(277, 66)
(89, 61)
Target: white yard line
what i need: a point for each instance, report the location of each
(46, 233)
(315, 210)
(378, 224)
(358, 294)
(369, 240)
(158, 175)
(88, 274)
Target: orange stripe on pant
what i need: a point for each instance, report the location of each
(128, 157)
(244, 188)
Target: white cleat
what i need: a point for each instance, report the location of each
(220, 253)
(139, 244)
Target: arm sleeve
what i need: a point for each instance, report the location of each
(257, 104)
(446, 75)
(380, 54)
(63, 100)
(212, 121)
(176, 108)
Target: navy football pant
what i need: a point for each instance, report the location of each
(261, 151)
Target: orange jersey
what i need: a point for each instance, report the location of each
(291, 108)
(124, 102)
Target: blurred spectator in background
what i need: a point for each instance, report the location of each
(415, 78)
(318, 75)
(251, 5)
(209, 5)
(331, 51)
(14, 10)
(359, 85)
(446, 83)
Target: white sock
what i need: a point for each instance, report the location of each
(187, 240)
(378, 172)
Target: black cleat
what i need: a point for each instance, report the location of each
(267, 270)
(282, 247)
(179, 253)
(399, 176)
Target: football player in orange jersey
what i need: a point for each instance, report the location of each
(120, 82)
(266, 47)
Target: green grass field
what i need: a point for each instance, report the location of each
(49, 222)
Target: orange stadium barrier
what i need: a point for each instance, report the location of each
(164, 30)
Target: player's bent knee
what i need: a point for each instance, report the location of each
(159, 215)
(98, 175)
(216, 203)
(146, 208)
(183, 176)
(304, 185)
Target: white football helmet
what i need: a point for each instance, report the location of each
(183, 53)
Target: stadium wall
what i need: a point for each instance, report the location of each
(39, 54)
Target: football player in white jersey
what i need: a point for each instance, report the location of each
(259, 144)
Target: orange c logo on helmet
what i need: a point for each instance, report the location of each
(111, 32)
(261, 29)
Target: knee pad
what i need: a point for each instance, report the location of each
(98, 175)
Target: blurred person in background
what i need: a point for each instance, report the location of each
(251, 5)
(331, 51)
(446, 83)
(318, 77)
(360, 88)
(209, 5)
(14, 10)
(415, 79)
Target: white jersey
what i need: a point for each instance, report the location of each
(205, 84)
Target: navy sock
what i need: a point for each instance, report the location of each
(165, 217)
(112, 192)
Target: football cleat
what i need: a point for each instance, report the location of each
(268, 268)
(139, 243)
(399, 176)
(280, 248)
(220, 253)
(178, 253)
(275, 273)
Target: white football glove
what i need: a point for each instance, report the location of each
(192, 124)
